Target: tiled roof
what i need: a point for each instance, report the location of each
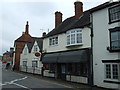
(104, 5)
(72, 23)
(39, 42)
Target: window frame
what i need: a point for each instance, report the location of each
(111, 49)
(110, 21)
(53, 41)
(71, 41)
(35, 48)
(25, 63)
(35, 65)
(111, 71)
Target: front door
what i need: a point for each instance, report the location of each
(63, 71)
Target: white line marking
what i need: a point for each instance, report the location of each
(21, 86)
(13, 82)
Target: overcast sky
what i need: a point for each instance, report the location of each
(40, 14)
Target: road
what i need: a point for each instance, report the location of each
(14, 81)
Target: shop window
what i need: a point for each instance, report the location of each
(52, 68)
(77, 69)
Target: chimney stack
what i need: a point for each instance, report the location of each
(58, 18)
(44, 34)
(27, 28)
(78, 9)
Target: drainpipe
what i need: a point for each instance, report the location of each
(91, 52)
(92, 35)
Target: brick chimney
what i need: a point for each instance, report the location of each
(27, 28)
(78, 9)
(44, 34)
(58, 18)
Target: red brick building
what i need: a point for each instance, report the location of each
(8, 57)
(19, 45)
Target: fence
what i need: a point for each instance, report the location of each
(33, 70)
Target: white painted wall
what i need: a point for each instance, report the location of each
(101, 40)
(62, 42)
(30, 57)
(78, 79)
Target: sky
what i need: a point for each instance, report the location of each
(40, 13)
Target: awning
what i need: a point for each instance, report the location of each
(50, 58)
(73, 56)
(67, 57)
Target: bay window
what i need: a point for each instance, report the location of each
(74, 37)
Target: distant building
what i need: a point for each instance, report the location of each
(8, 57)
(19, 45)
(1, 58)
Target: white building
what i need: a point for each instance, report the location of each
(106, 45)
(29, 62)
(67, 48)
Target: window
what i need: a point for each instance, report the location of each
(115, 39)
(24, 63)
(114, 13)
(112, 71)
(52, 68)
(77, 69)
(53, 41)
(34, 63)
(74, 37)
(35, 48)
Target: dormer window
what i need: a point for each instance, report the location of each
(74, 37)
(35, 48)
(114, 14)
(53, 41)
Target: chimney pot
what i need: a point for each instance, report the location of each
(78, 9)
(44, 34)
(58, 18)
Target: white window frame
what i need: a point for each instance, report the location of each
(114, 14)
(75, 33)
(111, 67)
(24, 63)
(35, 59)
(35, 65)
(35, 48)
(53, 41)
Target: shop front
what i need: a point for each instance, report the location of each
(71, 65)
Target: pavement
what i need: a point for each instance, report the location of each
(76, 86)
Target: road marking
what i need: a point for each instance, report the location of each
(13, 82)
(21, 86)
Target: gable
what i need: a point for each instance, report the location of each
(25, 49)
